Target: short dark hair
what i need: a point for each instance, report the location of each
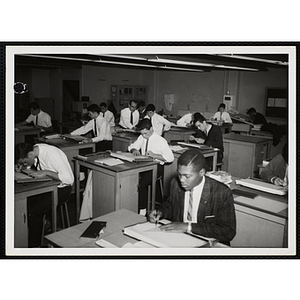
(199, 118)
(33, 105)
(94, 108)
(134, 101)
(144, 124)
(222, 105)
(194, 158)
(251, 110)
(150, 107)
(141, 103)
(22, 150)
(103, 104)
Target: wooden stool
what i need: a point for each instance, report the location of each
(63, 213)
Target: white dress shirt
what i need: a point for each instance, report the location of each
(103, 130)
(44, 119)
(224, 117)
(197, 193)
(125, 118)
(156, 143)
(109, 117)
(184, 120)
(159, 123)
(53, 159)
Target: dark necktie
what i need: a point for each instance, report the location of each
(103, 114)
(95, 128)
(36, 120)
(146, 148)
(190, 207)
(131, 118)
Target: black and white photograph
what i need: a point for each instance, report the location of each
(151, 150)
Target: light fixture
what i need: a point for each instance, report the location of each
(20, 88)
(188, 63)
(269, 61)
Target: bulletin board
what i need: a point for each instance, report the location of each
(277, 103)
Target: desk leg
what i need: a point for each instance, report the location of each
(54, 208)
(154, 178)
(215, 161)
(77, 190)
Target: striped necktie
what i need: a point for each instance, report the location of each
(190, 207)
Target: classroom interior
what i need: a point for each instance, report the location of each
(177, 84)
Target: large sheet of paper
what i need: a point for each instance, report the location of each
(149, 233)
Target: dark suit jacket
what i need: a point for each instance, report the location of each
(214, 139)
(216, 200)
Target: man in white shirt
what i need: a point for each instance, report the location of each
(159, 123)
(130, 116)
(222, 115)
(107, 114)
(49, 161)
(151, 144)
(187, 120)
(99, 127)
(39, 118)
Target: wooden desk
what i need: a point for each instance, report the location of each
(243, 153)
(22, 132)
(178, 133)
(122, 140)
(170, 169)
(114, 187)
(22, 192)
(261, 223)
(116, 221)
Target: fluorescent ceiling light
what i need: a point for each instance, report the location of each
(180, 69)
(275, 62)
(188, 63)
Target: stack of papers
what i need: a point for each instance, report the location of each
(130, 157)
(262, 186)
(109, 161)
(221, 176)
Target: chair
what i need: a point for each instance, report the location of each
(160, 182)
(219, 166)
(63, 213)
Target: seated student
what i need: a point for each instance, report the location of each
(151, 144)
(100, 128)
(159, 123)
(256, 117)
(142, 109)
(108, 115)
(130, 116)
(39, 118)
(187, 120)
(276, 171)
(49, 161)
(210, 135)
(197, 203)
(222, 115)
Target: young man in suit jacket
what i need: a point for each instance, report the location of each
(197, 203)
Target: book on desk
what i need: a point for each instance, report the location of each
(24, 177)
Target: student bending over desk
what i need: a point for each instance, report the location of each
(210, 135)
(39, 118)
(197, 203)
(49, 161)
(100, 128)
(276, 171)
(151, 144)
